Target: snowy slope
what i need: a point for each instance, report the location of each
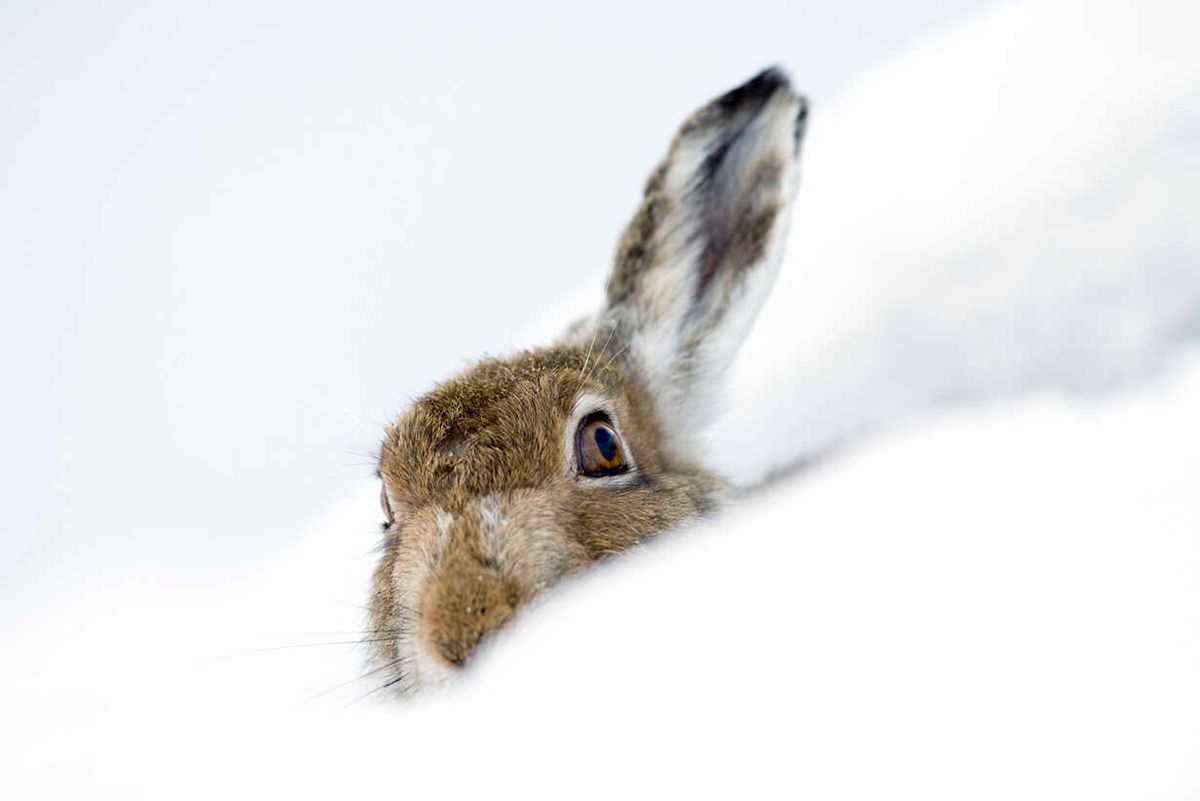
(1003, 603)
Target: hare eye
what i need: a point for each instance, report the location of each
(388, 517)
(598, 448)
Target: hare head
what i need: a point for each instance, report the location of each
(524, 469)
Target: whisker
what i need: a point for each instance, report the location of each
(612, 358)
(603, 348)
(366, 428)
(271, 648)
(589, 353)
(390, 683)
(320, 417)
(366, 675)
(329, 633)
(373, 456)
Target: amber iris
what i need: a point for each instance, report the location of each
(598, 448)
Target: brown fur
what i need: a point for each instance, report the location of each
(638, 247)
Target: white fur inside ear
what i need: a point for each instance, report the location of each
(683, 348)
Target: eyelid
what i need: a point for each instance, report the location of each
(385, 503)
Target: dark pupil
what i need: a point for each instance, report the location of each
(606, 443)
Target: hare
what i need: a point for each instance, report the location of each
(524, 469)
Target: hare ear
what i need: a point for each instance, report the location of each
(698, 259)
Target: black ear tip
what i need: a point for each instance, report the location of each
(757, 89)
(772, 75)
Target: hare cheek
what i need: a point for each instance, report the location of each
(529, 539)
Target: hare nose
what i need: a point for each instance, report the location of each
(467, 601)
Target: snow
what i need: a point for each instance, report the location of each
(998, 603)
(1009, 207)
(985, 583)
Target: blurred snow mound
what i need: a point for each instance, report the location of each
(1011, 206)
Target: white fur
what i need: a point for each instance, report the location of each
(493, 521)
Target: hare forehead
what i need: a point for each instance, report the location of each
(498, 426)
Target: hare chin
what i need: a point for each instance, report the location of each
(428, 670)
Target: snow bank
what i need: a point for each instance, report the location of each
(1011, 206)
(1002, 603)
